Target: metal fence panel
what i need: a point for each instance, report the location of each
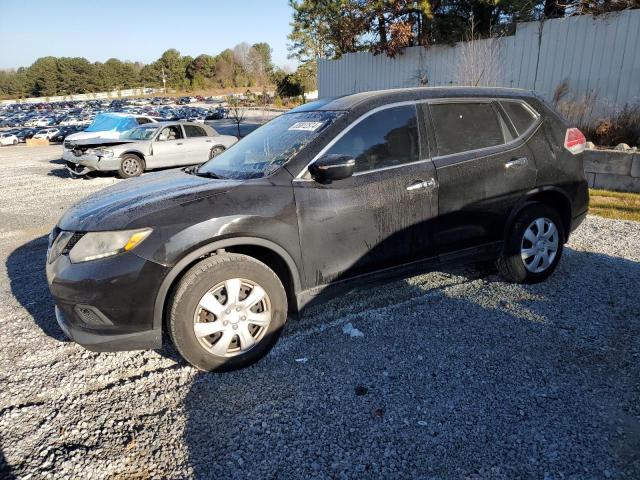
(597, 57)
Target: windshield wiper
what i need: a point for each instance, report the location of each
(207, 174)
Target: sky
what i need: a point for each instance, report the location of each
(138, 30)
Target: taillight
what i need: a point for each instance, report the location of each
(575, 141)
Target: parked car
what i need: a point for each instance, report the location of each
(217, 113)
(8, 138)
(154, 145)
(65, 132)
(106, 126)
(25, 134)
(335, 193)
(47, 133)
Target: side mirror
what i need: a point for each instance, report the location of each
(332, 167)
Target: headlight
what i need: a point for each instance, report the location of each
(94, 245)
(104, 152)
(57, 244)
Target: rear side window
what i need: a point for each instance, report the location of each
(460, 127)
(194, 131)
(521, 116)
(142, 120)
(384, 139)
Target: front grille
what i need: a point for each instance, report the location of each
(75, 238)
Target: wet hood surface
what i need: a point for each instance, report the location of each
(119, 206)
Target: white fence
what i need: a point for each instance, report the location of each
(131, 92)
(597, 57)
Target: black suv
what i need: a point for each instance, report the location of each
(354, 189)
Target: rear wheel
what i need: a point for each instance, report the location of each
(15, 141)
(533, 246)
(131, 166)
(227, 312)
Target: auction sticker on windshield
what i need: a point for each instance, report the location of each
(306, 126)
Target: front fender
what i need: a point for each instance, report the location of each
(183, 264)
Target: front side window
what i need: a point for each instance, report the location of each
(170, 133)
(461, 127)
(194, 131)
(386, 138)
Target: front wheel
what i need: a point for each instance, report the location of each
(533, 246)
(131, 166)
(227, 312)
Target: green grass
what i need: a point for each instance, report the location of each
(618, 205)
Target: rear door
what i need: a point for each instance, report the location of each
(381, 216)
(483, 168)
(198, 144)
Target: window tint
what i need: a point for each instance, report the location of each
(194, 131)
(384, 139)
(521, 117)
(461, 127)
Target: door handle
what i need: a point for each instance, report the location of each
(179, 143)
(422, 184)
(516, 162)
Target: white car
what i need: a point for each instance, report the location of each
(154, 145)
(106, 126)
(8, 139)
(47, 133)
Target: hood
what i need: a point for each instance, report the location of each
(84, 144)
(93, 135)
(121, 206)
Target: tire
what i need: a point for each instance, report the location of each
(215, 151)
(131, 166)
(207, 283)
(15, 142)
(529, 257)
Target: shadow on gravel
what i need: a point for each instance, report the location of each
(5, 469)
(28, 281)
(490, 380)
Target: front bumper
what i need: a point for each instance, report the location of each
(107, 304)
(97, 341)
(90, 162)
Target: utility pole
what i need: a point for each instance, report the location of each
(164, 82)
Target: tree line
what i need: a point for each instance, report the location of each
(243, 66)
(331, 28)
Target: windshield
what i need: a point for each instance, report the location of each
(269, 147)
(106, 122)
(140, 133)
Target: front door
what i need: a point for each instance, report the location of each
(482, 172)
(169, 148)
(378, 218)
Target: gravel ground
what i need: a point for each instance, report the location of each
(456, 374)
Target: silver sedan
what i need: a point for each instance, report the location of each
(149, 146)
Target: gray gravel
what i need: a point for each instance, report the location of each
(456, 375)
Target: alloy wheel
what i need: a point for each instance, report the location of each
(539, 245)
(232, 317)
(130, 166)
